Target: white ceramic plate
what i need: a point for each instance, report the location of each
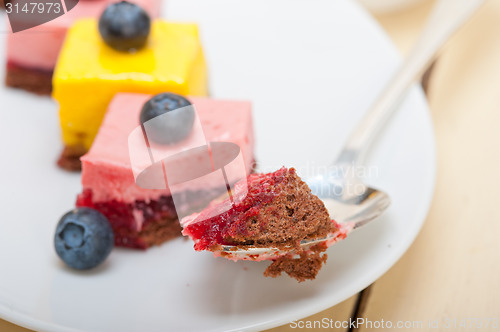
(312, 68)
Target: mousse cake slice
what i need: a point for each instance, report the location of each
(140, 217)
(94, 64)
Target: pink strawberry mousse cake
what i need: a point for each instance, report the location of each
(141, 217)
(32, 54)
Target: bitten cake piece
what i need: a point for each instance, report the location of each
(32, 54)
(90, 71)
(142, 217)
(267, 210)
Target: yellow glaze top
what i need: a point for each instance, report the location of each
(89, 73)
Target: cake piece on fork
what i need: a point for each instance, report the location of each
(273, 210)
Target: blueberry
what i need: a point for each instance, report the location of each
(167, 129)
(83, 238)
(124, 26)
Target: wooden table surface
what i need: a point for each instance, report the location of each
(449, 279)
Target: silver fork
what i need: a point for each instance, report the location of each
(350, 202)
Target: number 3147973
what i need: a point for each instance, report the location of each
(33, 8)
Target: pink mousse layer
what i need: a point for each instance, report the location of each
(39, 47)
(107, 170)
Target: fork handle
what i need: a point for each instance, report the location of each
(445, 19)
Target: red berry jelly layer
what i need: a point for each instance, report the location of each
(160, 220)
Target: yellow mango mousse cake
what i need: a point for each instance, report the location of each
(90, 72)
